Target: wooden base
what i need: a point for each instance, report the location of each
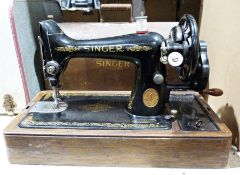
(136, 148)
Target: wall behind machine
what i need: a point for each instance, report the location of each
(156, 10)
(10, 77)
(220, 27)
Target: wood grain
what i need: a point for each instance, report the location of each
(139, 148)
(120, 151)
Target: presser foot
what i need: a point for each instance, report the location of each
(49, 107)
(55, 106)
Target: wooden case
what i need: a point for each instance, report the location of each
(135, 148)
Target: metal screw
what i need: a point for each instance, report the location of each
(164, 60)
(158, 78)
(51, 70)
(168, 117)
(50, 16)
(174, 111)
(198, 123)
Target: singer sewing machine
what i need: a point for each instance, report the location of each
(157, 124)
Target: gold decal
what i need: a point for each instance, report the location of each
(120, 63)
(111, 49)
(86, 48)
(131, 98)
(97, 49)
(115, 64)
(127, 64)
(99, 63)
(150, 98)
(96, 107)
(112, 63)
(67, 49)
(137, 48)
(119, 48)
(104, 48)
(108, 63)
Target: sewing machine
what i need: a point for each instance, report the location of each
(150, 52)
(158, 124)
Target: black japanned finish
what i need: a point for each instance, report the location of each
(141, 49)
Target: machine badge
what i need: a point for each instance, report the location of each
(150, 98)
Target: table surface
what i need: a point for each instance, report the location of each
(12, 169)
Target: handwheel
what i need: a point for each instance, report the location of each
(202, 73)
(190, 36)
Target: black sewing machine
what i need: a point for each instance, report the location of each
(150, 52)
(155, 109)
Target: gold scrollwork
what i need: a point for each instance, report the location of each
(104, 48)
(67, 49)
(96, 107)
(138, 48)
